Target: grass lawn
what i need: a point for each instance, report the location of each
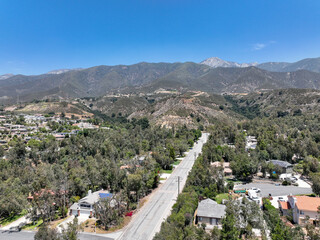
(167, 171)
(9, 220)
(221, 196)
(177, 162)
(234, 181)
(30, 226)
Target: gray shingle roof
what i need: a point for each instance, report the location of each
(74, 206)
(210, 208)
(281, 163)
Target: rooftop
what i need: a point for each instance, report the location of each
(281, 163)
(94, 197)
(308, 203)
(210, 208)
(284, 205)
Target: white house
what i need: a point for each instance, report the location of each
(85, 205)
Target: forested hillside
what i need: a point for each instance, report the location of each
(291, 138)
(61, 172)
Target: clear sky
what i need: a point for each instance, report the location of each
(37, 36)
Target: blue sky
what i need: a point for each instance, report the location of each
(38, 36)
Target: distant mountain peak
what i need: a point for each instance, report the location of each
(215, 62)
(5, 76)
(59, 71)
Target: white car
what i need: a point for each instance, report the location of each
(256, 189)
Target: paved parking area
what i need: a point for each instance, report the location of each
(267, 188)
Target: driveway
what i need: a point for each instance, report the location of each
(300, 182)
(64, 224)
(15, 223)
(275, 203)
(267, 188)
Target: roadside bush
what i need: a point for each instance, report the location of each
(286, 183)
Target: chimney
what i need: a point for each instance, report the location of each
(89, 192)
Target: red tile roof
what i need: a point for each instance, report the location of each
(285, 205)
(308, 203)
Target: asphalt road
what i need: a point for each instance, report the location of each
(267, 188)
(26, 235)
(147, 222)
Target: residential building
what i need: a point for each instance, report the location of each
(285, 166)
(210, 213)
(226, 167)
(85, 206)
(251, 142)
(302, 207)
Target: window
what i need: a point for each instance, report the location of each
(301, 212)
(200, 218)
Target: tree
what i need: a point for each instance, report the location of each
(109, 211)
(315, 178)
(134, 183)
(172, 153)
(72, 231)
(243, 167)
(215, 234)
(312, 232)
(43, 205)
(1, 151)
(47, 233)
(229, 229)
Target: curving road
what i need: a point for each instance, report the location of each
(147, 222)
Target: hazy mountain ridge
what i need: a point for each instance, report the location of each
(59, 71)
(5, 76)
(148, 77)
(310, 64)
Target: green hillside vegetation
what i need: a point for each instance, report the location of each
(148, 77)
(53, 107)
(277, 103)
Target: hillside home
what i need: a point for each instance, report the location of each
(85, 206)
(226, 167)
(210, 213)
(285, 166)
(302, 206)
(251, 142)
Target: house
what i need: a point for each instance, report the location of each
(59, 136)
(85, 125)
(284, 207)
(302, 206)
(210, 213)
(226, 167)
(251, 142)
(84, 207)
(285, 166)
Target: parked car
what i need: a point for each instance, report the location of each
(293, 179)
(281, 199)
(256, 189)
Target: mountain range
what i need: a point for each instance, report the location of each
(218, 62)
(220, 77)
